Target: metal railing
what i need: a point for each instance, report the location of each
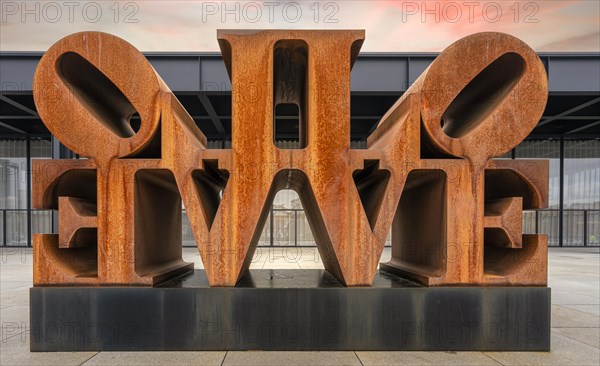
(14, 225)
(289, 227)
(581, 227)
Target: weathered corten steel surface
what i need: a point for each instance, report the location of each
(427, 174)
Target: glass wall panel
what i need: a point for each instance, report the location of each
(2, 224)
(41, 148)
(42, 222)
(13, 174)
(548, 221)
(545, 149)
(573, 228)
(593, 228)
(13, 188)
(581, 214)
(305, 236)
(582, 174)
(265, 236)
(529, 222)
(16, 228)
(187, 236)
(284, 227)
(581, 191)
(290, 226)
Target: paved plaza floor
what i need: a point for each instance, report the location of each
(573, 276)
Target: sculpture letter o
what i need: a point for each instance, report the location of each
(86, 95)
(482, 96)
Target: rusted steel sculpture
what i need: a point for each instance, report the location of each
(427, 174)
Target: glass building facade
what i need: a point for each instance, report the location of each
(571, 219)
(18, 220)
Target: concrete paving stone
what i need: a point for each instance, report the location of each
(386, 255)
(192, 256)
(8, 285)
(13, 263)
(11, 325)
(566, 267)
(290, 358)
(258, 265)
(16, 255)
(156, 358)
(589, 276)
(584, 268)
(15, 297)
(11, 315)
(589, 336)
(562, 297)
(260, 257)
(563, 317)
(564, 351)
(14, 351)
(17, 275)
(594, 293)
(22, 273)
(588, 309)
(310, 256)
(424, 358)
(572, 284)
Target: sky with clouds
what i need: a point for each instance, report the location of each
(391, 26)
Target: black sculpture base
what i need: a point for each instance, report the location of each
(289, 310)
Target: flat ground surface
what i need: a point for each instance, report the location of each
(573, 275)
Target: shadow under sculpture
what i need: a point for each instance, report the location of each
(427, 173)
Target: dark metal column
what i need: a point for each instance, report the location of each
(271, 224)
(561, 191)
(4, 228)
(585, 228)
(295, 227)
(28, 153)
